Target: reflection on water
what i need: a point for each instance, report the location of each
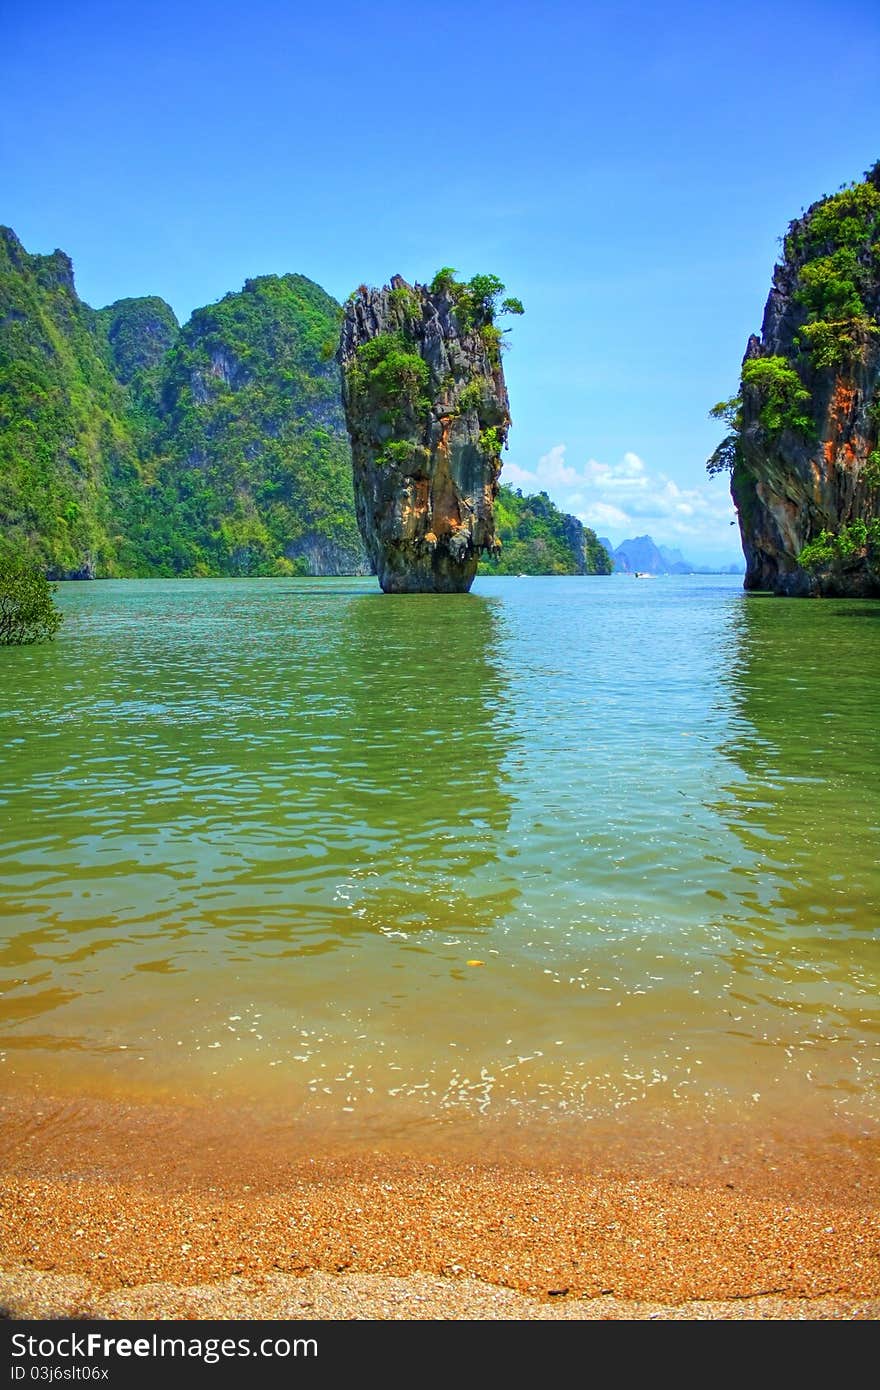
(805, 805)
(557, 847)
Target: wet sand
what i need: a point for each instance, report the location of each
(112, 1210)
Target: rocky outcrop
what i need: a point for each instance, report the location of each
(139, 333)
(427, 414)
(323, 557)
(806, 462)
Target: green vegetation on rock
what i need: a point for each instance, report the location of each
(784, 400)
(836, 246)
(67, 437)
(832, 256)
(537, 538)
(250, 464)
(130, 446)
(139, 332)
(392, 377)
(855, 546)
(803, 440)
(477, 301)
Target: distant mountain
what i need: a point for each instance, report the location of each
(732, 568)
(139, 333)
(641, 555)
(675, 561)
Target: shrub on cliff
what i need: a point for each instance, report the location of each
(478, 300)
(857, 543)
(27, 609)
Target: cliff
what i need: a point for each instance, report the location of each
(427, 414)
(803, 447)
(640, 555)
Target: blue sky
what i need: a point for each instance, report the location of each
(626, 169)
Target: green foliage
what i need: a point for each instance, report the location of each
(783, 396)
(27, 609)
(66, 432)
(871, 470)
(854, 544)
(829, 286)
(491, 336)
(249, 456)
(728, 411)
(477, 301)
(139, 332)
(391, 377)
(833, 254)
(597, 559)
(836, 250)
(726, 456)
(444, 282)
(837, 344)
(471, 397)
(223, 454)
(404, 455)
(491, 442)
(848, 219)
(537, 538)
(407, 303)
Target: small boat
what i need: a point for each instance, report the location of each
(643, 574)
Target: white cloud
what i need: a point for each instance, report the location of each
(603, 514)
(628, 498)
(520, 477)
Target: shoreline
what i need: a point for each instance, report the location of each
(107, 1212)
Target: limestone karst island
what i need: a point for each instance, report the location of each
(804, 446)
(427, 413)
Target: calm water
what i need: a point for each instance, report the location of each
(558, 848)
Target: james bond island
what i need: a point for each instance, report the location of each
(427, 414)
(804, 446)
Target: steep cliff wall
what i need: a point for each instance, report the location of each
(804, 445)
(427, 414)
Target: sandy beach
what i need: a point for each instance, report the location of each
(112, 1210)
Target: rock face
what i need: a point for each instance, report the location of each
(427, 414)
(806, 464)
